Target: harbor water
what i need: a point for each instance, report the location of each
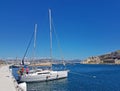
(82, 77)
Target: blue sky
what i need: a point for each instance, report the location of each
(84, 27)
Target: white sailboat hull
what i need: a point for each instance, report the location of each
(39, 76)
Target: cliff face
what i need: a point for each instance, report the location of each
(111, 58)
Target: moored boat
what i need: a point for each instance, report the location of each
(40, 74)
(43, 75)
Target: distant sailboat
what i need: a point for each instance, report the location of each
(40, 74)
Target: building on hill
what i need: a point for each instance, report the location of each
(117, 61)
(92, 60)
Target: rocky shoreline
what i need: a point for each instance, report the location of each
(110, 58)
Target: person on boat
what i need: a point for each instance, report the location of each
(27, 70)
(22, 70)
(19, 74)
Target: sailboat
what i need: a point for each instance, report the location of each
(44, 75)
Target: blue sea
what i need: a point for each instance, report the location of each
(82, 77)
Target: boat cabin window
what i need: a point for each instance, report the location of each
(43, 73)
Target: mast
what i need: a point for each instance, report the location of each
(34, 41)
(50, 21)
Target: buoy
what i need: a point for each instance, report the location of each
(94, 76)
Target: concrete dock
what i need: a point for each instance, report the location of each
(7, 81)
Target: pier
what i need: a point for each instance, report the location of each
(7, 81)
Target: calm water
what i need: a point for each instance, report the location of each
(82, 78)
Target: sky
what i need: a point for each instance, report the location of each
(84, 27)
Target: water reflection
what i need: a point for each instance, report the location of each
(55, 85)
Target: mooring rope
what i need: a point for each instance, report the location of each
(91, 76)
